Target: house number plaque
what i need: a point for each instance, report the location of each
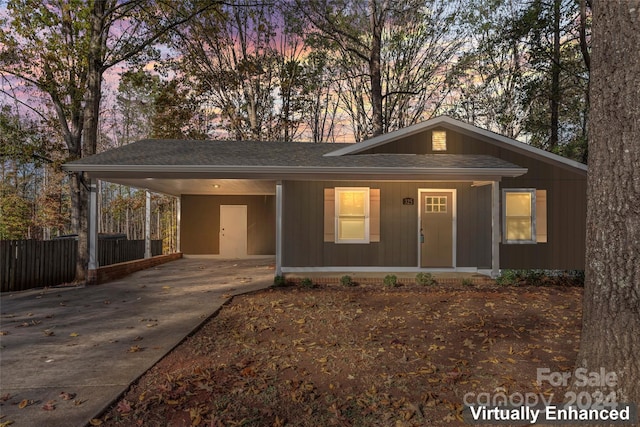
(407, 201)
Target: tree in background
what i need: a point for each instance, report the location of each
(525, 72)
(611, 312)
(558, 90)
(488, 78)
(31, 205)
(244, 66)
(392, 56)
(61, 50)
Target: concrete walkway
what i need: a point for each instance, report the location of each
(94, 342)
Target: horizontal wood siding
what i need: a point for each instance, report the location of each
(200, 223)
(303, 219)
(566, 200)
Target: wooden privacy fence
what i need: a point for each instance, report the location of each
(27, 264)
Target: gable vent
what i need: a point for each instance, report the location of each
(439, 140)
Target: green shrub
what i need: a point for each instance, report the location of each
(306, 283)
(467, 282)
(346, 280)
(390, 280)
(508, 277)
(536, 277)
(279, 281)
(425, 279)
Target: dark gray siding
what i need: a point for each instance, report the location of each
(566, 200)
(200, 223)
(303, 221)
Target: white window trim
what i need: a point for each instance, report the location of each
(367, 234)
(532, 192)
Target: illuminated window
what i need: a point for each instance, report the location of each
(524, 217)
(352, 215)
(439, 140)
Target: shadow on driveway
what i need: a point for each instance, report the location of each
(93, 342)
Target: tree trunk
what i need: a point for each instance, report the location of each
(611, 318)
(555, 78)
(90, 135)
(79, 204)
(374, 68)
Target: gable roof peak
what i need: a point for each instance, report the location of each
(464, 128)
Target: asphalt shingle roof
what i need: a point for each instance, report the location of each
(152, 152)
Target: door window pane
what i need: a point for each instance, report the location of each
(435, 204)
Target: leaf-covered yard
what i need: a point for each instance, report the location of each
(363, 356)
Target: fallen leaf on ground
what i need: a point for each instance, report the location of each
(48, 333)
(5, 397)
(134, 349)
(49, 406)
(95, 422)
(124, 407)
(4, 333)
(25, 403)
(6, 423)
(74, 334)
(66, 396)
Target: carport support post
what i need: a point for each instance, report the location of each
(495, 229)
(178, 212)
(92, 268)
(279, 228)
(147, 225)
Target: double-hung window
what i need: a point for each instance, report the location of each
(524, 217)
(352, 214)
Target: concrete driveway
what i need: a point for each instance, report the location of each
(93, 342)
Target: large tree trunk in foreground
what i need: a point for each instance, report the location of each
(611, 324)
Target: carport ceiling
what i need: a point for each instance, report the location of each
(177, 187)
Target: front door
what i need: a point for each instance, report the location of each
(233, 231)
(436, 223)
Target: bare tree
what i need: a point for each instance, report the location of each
(393, 55)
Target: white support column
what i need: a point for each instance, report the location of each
(279, 228)
(92, 234)
(147, 225)
(178, 215)
(495, 229)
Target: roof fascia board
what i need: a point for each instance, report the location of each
(517, 146)
(467, 129)
(235, 172)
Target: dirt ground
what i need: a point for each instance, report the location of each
(361, 356)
